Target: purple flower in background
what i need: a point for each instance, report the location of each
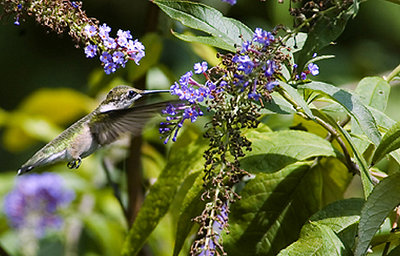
(200, 67)
(34, 202)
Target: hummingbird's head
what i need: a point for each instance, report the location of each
(123, 96)
(120, 97)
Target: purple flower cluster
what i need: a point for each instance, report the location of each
(187, 89)
(263, 37)
(35, 200)
(113, 52)
(257, 68)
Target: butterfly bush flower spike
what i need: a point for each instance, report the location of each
(34, 203)
(61, 16)
(114, 52)
(191, 92)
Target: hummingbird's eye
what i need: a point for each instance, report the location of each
(131, 93)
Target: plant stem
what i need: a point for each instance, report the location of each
(394, 73)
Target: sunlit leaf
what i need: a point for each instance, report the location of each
(23, 130)
(297, 98)
(265, 220)
(274, 150)
(340, 214)
(389, 143)
(316, 240)
(59, 106)
(374, 92)
(376, 209)
(277, 105)
(352, 104)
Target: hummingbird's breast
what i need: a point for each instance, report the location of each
(83, 144)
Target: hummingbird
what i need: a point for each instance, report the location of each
(115, 115)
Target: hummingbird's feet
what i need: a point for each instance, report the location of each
(74, 164)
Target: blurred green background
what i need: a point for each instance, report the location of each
(47, 84)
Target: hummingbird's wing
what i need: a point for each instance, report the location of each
(108, 126)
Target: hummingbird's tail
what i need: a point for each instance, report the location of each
(25, 169)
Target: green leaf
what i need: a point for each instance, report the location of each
(296, 42)
(297, 98)
(265, 220)
(383, 199)
(185, 156)
(316, 239)
(223, 32)
(277, 105)
(342, 217)
(361, 163)
(325, 29)
(352, 104)
(191, 207)
(374, 92)
(272, 151)
(335, 179)
(389, 143)
(382, 120)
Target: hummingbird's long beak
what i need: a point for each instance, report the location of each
(153, 91)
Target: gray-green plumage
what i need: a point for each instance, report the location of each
(113, 117)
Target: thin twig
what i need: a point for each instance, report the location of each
(350, 164)
(393, 74)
